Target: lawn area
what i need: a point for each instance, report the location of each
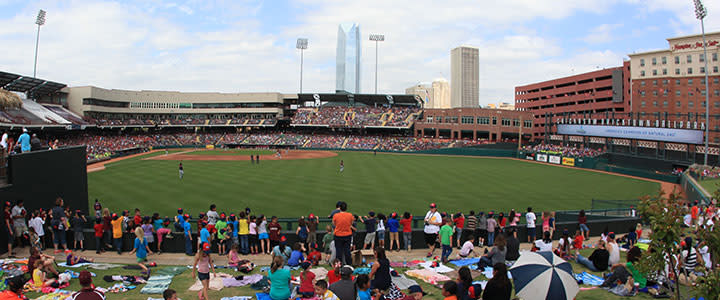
(232, 152)
(385, 182)
(710, 185)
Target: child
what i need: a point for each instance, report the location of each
(233, 258)
(117, 232)
(406, 223)
(327, 239)
(73, 259)
(370, 228)
(467, 248)
(222, 233)
(578, 240)
(446, 232)
(243, 232)
(98, 236)
(362, 286)
(273, 230)
(34, 238)
(381, 230)
(148, 229)
(141, 250)
(459, 220)
(314, 256)
(38, 277)
(170, 294)
(393, 226)
(638, 230)
(202, 266)
(322, 292)
(163, 231)
(307, 278)
(253, 235)
(78, 222)
(449, 290)
(296, 256)
(263, 235)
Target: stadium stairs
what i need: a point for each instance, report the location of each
(344, 144)
(44, 114)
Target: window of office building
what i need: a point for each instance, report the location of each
(642, 93)
(689, 58)
(714, 57)
(527, 124)
(702, 57)
(654, 61)
(715, 69)
(702, 70)
(665, 92)
(655, 103)
(655, 93)
(678, 94)
(505, 122)
(691, 104)
(677, 71)
(654, 72)
(467, 119)
(654, 81)
(642, 83)
(642, 62)
(483, 120)
(716, 80)
(664, 71)
(677, 60)
(665, 103)
(665, 82)
(438, 119)
(678, 104)
(642, 103)
(494, 119)
(690, 81)
(689, 71)
(716, 93)
(664, 60)
(642, 73)
(677, 81)
(516, 122)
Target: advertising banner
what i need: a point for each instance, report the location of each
(568, 161)
(541, 157)
(529, 157)
(684, 136)
(554, 159)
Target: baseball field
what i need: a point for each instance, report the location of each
(303, 182)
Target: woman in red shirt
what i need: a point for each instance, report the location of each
(406, 224)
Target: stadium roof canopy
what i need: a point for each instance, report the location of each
(367, 99)
(25, 84)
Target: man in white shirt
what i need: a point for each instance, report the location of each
(530, 220)
(3, 141)
(18, 214)
(433, 220)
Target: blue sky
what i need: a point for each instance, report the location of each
(249, 46)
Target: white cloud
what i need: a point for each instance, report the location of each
(601, 34)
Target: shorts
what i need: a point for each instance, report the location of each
(263, 236)
(369, 237)
(9, 235)
(211, 228)
(20, 230)
(381, 235)
(150, 238)
(531, 232)
(203, 276)
(584, 228)
(482, 233)
(141, 259)
(253, 240)
(79, 236)
(430, 238)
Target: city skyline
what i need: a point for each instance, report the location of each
(250, 46)
(348, 58)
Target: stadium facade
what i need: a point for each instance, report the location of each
(475, 123)
(347, 68)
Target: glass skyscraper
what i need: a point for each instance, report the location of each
(347, 70)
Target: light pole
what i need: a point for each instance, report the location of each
(376, 38)
(302, 44)
(700, 13)
(40, 21)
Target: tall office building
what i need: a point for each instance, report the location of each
(464, 77)
(347, 69)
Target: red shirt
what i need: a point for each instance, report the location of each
(8, 295)
(306, 282)
(98, 230)
(9, 219)
(332, 278)
(503, 221)
(578, 242)
(137, 220)
(459, 222)
(315, 257)
(274, 231)
(694, 212)
(406, 224)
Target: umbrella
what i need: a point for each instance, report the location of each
(543, 275)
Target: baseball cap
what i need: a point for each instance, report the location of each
(433, 205)
(346, 270)
(311, 216)
(414, 289)
(85, 277)
(180, 210)
(371, 213)
(206, 248)
(611, 235)
(283, 239)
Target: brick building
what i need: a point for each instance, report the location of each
(475, 123)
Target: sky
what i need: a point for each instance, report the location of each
(249, 45)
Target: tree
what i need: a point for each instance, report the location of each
(708, 286)
(664, 214)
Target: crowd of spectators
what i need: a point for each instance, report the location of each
(565, 150)
(705, 172)
(356, 116)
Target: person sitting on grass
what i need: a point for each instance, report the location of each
(468, 248)
(499, 287)
(314, 256)
(621, 272)
(306, 289)
(598, 260)
(578, 240)
(73, 259)
(88, 291)
(47, 261)
(39, 278)
(170, 294)
(322, 292)
(296, 256)
(362, 286)
(282, 250)
(496, 254)
(233, 258)
(279, 280)
(564, 244)
(449, 290)
(141, 250)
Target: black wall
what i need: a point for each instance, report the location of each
(39, 177)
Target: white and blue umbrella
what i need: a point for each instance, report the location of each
(543, 275)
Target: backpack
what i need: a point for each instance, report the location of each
(475, 291)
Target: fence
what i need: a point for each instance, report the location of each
(598, 204)
(693, 190)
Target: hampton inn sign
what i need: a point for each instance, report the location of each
(693, 45)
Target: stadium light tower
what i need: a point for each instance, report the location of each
(701, 13)
(302, 44)
(40, 21)
(376, 38)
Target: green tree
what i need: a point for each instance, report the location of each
(708, 286)
(664, 214)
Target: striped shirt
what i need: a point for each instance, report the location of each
(470, 222)
(689, 260)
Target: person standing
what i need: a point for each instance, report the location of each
(117, 232)
(24, 141)
(312, 225)
(58, 224)
(141, 250)
(37, 223)
(202, 266)
(187, 230)
(491, 226)
(481, 228)
(530, 220)
(343, 234)
(181, 171)
(9, 228)
(433, 220)
(19, 224)
(446, 232)
(252, 159)
(370, 227)
(470, 226)
(4, 143)
(212, 217)
(342, 166)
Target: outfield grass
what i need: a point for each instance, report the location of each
(232, 152)
(710, 185)
(386, 182)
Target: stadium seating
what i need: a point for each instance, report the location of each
(356, 117)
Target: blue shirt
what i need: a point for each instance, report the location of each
(187, 228)
(181, 219)
(235, 227)
(295, 258)
(157, 224)
(285, 254)
(364, 295)
(141, 248)
(24, 141)
(204, 235)
(393, 225)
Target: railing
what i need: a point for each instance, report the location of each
(693, 190)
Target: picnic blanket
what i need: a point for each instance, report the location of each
(160, 280)
(320, 273)
(409, 264)
(247, 280)
(488, 273)
(237, 298)
(96, 266)
(262, 296)
(428, 276)
(216, 282)
(589, 279)
(403, 282)
(454, 274)
(440, 268)
(78, 265)
(465, 262)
